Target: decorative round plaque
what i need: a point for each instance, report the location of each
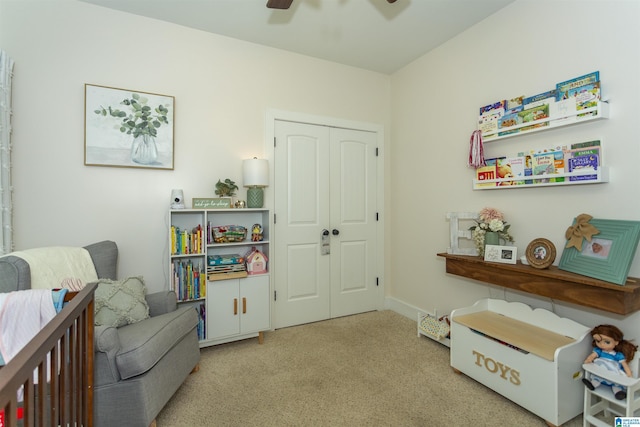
(541, 253)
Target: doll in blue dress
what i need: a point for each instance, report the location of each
(612, 352)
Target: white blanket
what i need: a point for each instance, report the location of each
(22, 315)
(50, 266)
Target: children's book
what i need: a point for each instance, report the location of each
(489, 117)
(514, 105)
(534, 113)
(515, 167)
(558, 163)
(548, 97)
(583, 163)
(543, 164)
(563, 88)
(495, 108)
(586, 96)
(509, 120)
(584, 149)
(486, 172)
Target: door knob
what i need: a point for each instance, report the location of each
(325, 232)
(335, 231)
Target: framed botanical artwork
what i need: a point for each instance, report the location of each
(607, 255)
(503, 254)
(540, 253)
(128, 128)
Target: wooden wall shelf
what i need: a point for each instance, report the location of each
(551, 283)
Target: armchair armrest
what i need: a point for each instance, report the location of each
(161, 302)
(106, 339)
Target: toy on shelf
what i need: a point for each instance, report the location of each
(256, 262)
(256, 233)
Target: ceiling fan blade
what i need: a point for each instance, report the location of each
(280, 4)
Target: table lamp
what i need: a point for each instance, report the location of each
(255, 173)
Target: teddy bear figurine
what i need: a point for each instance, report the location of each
(612, 352)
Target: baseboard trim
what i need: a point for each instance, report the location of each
(401, 307)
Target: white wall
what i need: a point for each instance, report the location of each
(222, 87)
(524, 49)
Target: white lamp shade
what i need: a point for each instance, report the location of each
(255, 172)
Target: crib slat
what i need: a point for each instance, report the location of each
(66, 398)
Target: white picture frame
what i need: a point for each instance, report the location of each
(502, 254)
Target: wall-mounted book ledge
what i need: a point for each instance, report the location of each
(558, 119)
(551, 283)
(599, 176)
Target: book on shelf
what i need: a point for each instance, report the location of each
(542, 164)
(225, 259)
(186, 280)
(548, 97)
(490, 116)
(514, 104)
(502, 169)
(184, 242)
(584, 149)
(559, 164)
(528, 168)
(498, 107)
(549, 162)
(484, 173)
(563, 88)
(514, 167)
(585, 97)
(226, 268)
(583, 163)
(201, 327)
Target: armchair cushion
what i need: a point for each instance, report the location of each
(119, 303)
(143, 344)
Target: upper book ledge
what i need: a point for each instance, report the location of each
(561, 113)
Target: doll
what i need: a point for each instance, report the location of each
(612, 352)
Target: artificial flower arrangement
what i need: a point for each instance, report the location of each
(489, 220)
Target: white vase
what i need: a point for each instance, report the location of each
(144, 150)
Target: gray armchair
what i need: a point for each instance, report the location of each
(138, 367)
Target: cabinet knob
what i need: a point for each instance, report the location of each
(335, 231)
(244, 305)
(325, 232)
(235, 306)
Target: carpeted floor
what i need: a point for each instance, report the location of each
(369, 369)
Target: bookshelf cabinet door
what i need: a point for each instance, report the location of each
(254, 300)
(223, 308)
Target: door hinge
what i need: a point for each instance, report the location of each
(377, 281)
(274, 218)
(377, 217)
(275, 295)
(274, 142)
(376, 151)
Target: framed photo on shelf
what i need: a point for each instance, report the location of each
(541, 253)
(128, 128)
(609, 253)
(503, 254)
